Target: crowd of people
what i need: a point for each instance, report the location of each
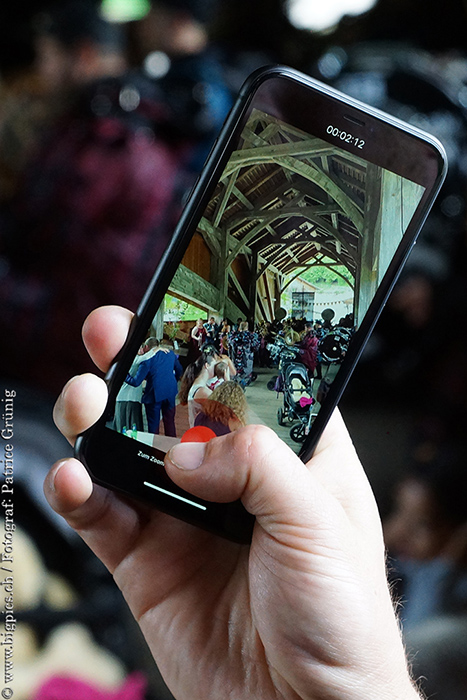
(249, 347)
(158, 382)
(230, 340)
(225, 354)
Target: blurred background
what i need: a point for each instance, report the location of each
(107, 112)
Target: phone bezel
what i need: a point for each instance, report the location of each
(99, 447)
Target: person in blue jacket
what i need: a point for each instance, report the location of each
(161, 372)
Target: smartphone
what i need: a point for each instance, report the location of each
(259, 308)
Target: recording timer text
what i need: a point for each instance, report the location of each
(345, 136)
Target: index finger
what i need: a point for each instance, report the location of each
(104, 333)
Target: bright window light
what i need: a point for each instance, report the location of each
(124, 10)
(319, 16)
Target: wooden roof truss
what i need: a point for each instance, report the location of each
(286, 202)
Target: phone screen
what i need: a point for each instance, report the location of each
(274, 283)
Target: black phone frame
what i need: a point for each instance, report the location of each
(101, 449)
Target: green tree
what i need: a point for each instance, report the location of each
(181, 310)
(320, 275)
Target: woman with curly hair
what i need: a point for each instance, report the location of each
(225, 410)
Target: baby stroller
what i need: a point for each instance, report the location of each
(281, 353)
(298, 400)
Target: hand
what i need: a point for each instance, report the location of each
(304, 612)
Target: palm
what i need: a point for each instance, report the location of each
(193, 591)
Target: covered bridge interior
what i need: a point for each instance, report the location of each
(287, 202)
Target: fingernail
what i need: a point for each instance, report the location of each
(187, 455)
(59, 402)
(54, 475)
(67, 385)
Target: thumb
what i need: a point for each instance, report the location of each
(254, 465)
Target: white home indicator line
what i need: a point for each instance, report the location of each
(174, 495)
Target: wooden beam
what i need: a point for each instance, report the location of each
(280, 193)
(303, 268)
(310, 171)
(211, 235)
(339, 260)
(252, 286)
(263, 312)
(269, 262)
(223, 277)
(368, 267)
(252, 233)
(271, 131)
(266, 301)
(243, 242)
(319, 263)
(300, 240)
(214, 237)
(231, 310)
(322, 226)
(242, 198)
(269, 152)
(286, 211)
(334, 233)
(192, 287)
(238, 287)
(325, 181)
(224, 199)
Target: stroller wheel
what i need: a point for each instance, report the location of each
(272, 383)
(280, 416)
(297, 432)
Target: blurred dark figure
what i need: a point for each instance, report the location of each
(433, 26)
(417, 346)
(426, 533)
(98, 203)
(174, 48)
(23, 114)
(254, 34)
(75, 46)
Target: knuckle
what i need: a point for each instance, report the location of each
(256, 441)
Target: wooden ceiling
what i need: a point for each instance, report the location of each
(293, 199)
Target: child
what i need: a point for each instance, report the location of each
(221, 374)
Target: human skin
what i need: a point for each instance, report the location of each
(304, 613)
